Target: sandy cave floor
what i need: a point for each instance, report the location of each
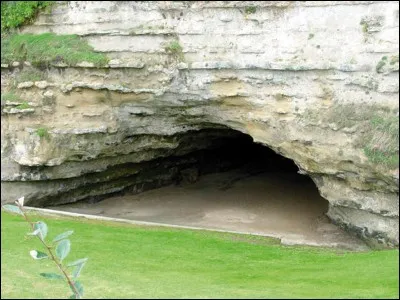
(277, 204)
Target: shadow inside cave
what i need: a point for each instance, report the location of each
(234, 184)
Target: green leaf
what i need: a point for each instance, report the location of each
(63, 235)
(77, 270)
(77, 262)
(42, 229)
(52, 276)
(38, 254)
(36, 232)
(79, 266)
(12, 209)
(63, 249)
(79, 289)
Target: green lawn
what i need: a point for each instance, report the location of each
(128, 261)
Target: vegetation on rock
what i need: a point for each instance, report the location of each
(379, 125)
(380, 65)
(23, 105)
(18, 13)
(383, 145)
(175, 49)
(46, 48)
(30, 74)
(43, 132)
(10, 96)
(250, 9)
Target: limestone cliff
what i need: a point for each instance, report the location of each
(316, 82)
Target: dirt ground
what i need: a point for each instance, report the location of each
(277, 204)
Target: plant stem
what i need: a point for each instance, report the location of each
(53, 258)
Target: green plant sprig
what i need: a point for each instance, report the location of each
(62, 249)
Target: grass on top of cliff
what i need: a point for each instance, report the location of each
(42, 49)
(127, 261)
(17, 13)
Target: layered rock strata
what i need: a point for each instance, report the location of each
(317, 82)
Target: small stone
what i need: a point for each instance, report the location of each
(182, 65)
(301, 171)
(92, 114)
(155, 68)
(27, 63)
(4, 65)
(333, 126)
(66, 88)
(225, 18)
(135, 65)
(336, 77)
(15, 64)
(48, 94)
(47, 109)
(41, 84)
(25, 85)
(114, 63)
(85, 64)
(60, 65)
(269, 77)
(16, 110)
(281, 112)
(349, 130)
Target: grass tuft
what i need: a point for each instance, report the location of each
(24, 105)
(43, 132)
(175, 49)
(250, 9)
(381, 64)
(383, 145)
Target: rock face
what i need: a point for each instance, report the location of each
(316, 82)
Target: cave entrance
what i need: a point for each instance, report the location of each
(220, 179)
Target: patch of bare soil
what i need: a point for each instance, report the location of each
(277, 204)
